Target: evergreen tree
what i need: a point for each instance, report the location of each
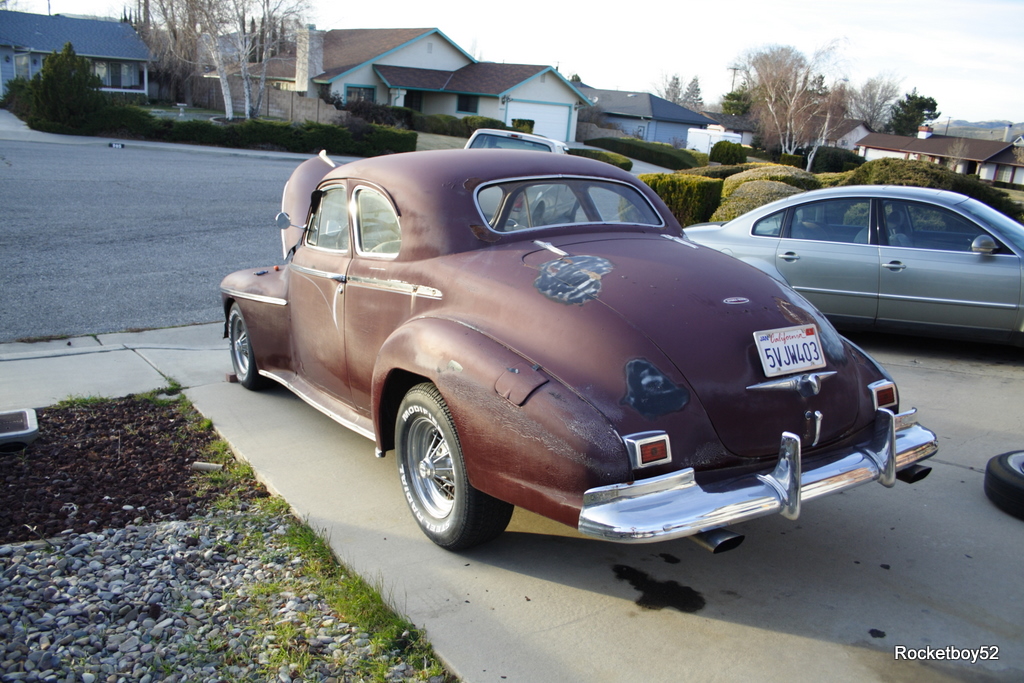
(692, 98)
(910, 113)
(67, 90)
(736, 103)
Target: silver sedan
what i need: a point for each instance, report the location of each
(898, 259)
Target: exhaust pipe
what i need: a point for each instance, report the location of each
(913, 474)
(717, 540)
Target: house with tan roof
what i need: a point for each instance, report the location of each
(424, 70)
(989, 159)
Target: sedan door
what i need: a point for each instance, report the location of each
(930, 277)
(828, 253)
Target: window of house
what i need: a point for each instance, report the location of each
(354, 94)
(329, 226)
(469, 103)
(414, 100)
(22, 68)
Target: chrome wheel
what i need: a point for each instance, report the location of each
(242, 358)
(430, 467)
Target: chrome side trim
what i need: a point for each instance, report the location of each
(808, 384)
(674, 505)
(954, 302)
(395, 286)
(317, 273)
(238, 294)
(303, 390)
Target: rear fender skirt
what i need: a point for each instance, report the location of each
(527, 439)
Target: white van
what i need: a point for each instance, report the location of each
(492, 138)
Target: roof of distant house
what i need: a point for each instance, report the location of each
(737, 122)
(936, 145)
(88, 37)
(643, 105)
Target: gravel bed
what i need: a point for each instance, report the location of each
(173, 601)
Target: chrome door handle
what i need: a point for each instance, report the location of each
(789, 256)
(894, 265)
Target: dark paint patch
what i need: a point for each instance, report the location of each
(671, 559)
(660, 594)
(572, 279)
(482, 233)
(650, 392)
(876, 633)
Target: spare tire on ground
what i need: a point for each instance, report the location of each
(1004, 482)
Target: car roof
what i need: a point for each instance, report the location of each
(943, 197)
(434, 191)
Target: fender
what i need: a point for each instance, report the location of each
(526, 438)
(262, 295)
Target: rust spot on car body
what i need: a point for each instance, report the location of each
(572, 279)
(650, 392)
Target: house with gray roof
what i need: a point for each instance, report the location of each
(424, 70)
(118, 55)
(989, 159)
(646, 116)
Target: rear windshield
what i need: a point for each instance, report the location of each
(502, 142)
(515, 205)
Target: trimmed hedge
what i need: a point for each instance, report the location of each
(927, 174)
(625, 163)
(786, 174)
(794, 160)
(835, 160)
(725, 152)
(751, 195)
(657, 153)
(720, 172)
(692, 199)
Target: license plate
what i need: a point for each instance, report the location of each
(789, 349)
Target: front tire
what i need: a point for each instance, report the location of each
(242, 358)
(1004, 482)
(452, 513)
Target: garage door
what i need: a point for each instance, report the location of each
(550, 120)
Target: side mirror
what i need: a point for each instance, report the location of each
(984, 244)
(283, 220)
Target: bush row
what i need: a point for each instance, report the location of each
(656, 153)
(744, 187)
(725, 152)
(625, 163)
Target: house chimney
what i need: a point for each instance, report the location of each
(1007, 135)
(924, 132)
(309, 59)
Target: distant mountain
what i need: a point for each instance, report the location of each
(983, 130)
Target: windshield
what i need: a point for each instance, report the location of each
(1008, 229)
(542, 202)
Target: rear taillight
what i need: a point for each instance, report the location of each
(885, 394)
(648, 448)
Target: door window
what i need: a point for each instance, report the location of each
(834, 220)
(329, 226)
(923, 226)
(378, 228)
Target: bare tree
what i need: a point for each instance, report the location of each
(957, 153)
(789, 94)
(833, 109)
(168, 27)
(1018, 154)
(872, 102)
(671, 89)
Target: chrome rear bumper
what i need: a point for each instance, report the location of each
(674, 505)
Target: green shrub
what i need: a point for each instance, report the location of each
(373, 112)
(18, 98)
(196, 131)
(524, 125)
(785, 174)
(702, 158)
(833, 179)
(691, 199)
(66, 91)
(120, 121)
(927, 174)
(442, 124)
(608, 157)
(751, 195)
(835, 160)
(473, 123)
(792, 160)
(657, 153)
(725, 152)
(385, 140)
(720, 172)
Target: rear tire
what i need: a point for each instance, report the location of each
(1004, 482)
(452, 513)
(242, 358)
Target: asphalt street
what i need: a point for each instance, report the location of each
(98, 239)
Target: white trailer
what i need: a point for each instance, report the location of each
(702, 139)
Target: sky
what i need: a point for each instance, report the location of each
(966, 54)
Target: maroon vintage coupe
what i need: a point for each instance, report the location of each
(533, 329)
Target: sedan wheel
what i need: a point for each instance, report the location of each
(1004, 482)
(242, 357)
(452, 513)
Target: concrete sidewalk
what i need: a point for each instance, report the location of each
(827, 597)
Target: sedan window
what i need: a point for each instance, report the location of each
(377, 227)
(528, 204)
(834, 220)
(769, 226)
(922, 226)
(328, 228)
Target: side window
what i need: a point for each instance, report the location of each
(833, 220)
(769, 226)
(377, 225)
(922, 226)
(329, 227)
